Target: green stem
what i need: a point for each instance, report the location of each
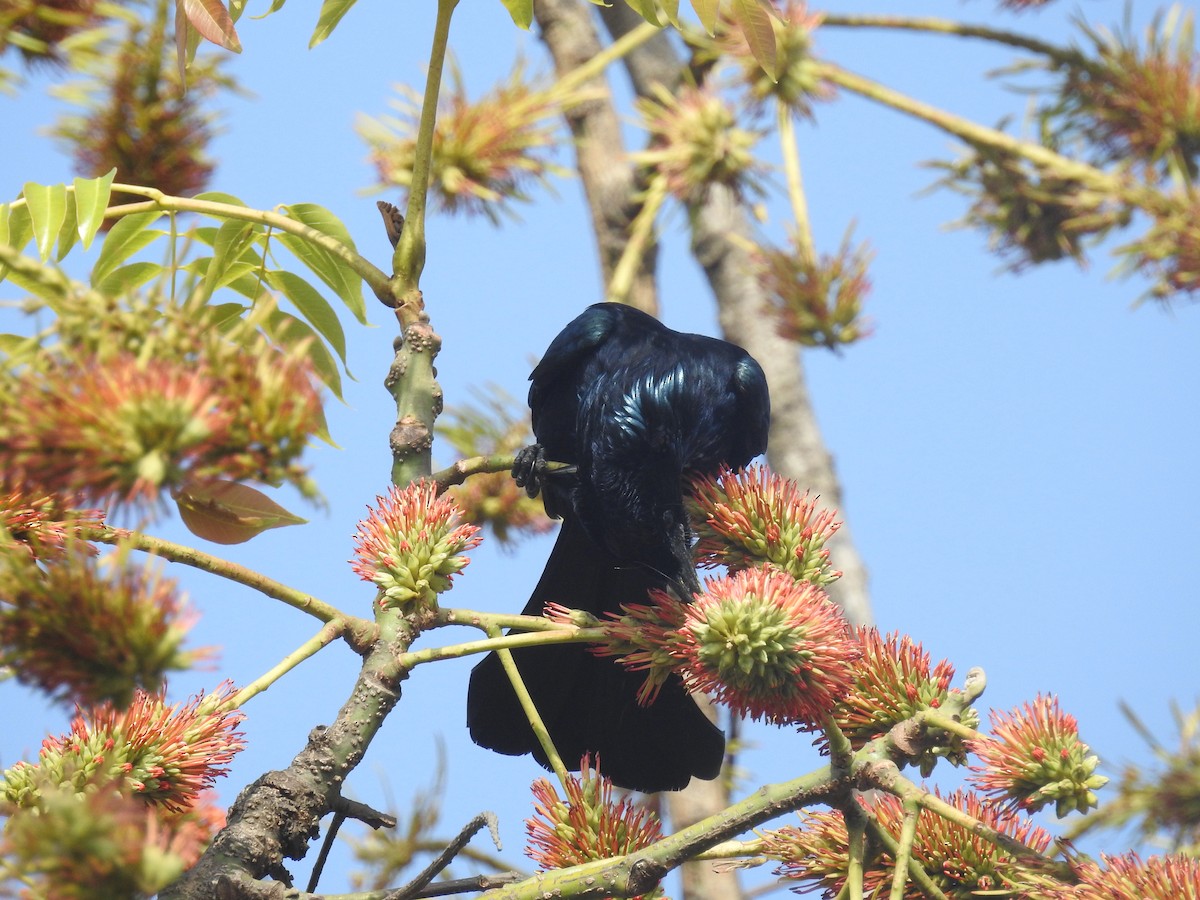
(1061, 55)
(915, 871)
(197, 559)
(795, 186)
(933, 718)
(409, 259)
(610, 54)
(856, 830)
(323, 638)
(980, 135)
(640, 236)
(531, 711)
(560, 635)
(743, 850)
(908, 834)
(841, 752)
(487, 621)
(888, 777)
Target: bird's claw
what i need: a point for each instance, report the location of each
(531, 470)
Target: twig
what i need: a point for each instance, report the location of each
(443, 859)
(326, 845)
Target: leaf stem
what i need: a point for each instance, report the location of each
(908, 834)
(559, 635)
(981, 135)
(329, 633)
(359, 629)
(1061, 55)
(795, 185)
(641, 233)
(531, 711)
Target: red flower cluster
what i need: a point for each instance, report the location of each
(411, 542)
(588, 824)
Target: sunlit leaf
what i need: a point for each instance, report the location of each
(226, 512)
(670, 9)
(219, 197)
(68, 234)
(276, 6)
(20, 227)
(521, 12)
(314, 307)
(4, 209)
(706, 12)
(47, 204)
(126, 238)
(331, 13)
(231, 239)
(91, 200)
(17, 345)
(329, 268)
(755, 22)
(212, 20)
(186, 40)
(288, 331)
(15, 229)
(126, 278)
(647, 9)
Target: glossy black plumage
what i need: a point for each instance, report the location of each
(636, 408)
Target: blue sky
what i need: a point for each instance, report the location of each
(1016, 451)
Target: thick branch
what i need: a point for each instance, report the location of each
(278, 815)
(609, 180)
(721, 234)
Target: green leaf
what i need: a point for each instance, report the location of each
(126, 238)
(219, 197)
(288, 331)
(276, 6)
(755, 22)
(68, 234)
(14, 346)
(212, 20)
(647, 9)
(15, 229)
(706, 12)
(329, 268)
(312, 306)
(91, 201)
(226, 512)
(126, 278)
(670, 9)
(232, 238)
(4, 210)
(521, 12)
(331, 13)
(47, 204)
(205, 234)
(223, 315)
(20, 227)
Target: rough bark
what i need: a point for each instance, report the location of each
(796, 447)
(721, 231)
(609, 181)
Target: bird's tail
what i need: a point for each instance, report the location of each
(588, 703)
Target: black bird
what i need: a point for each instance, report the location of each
(637, 409)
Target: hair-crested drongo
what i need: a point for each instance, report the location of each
(637, 409)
